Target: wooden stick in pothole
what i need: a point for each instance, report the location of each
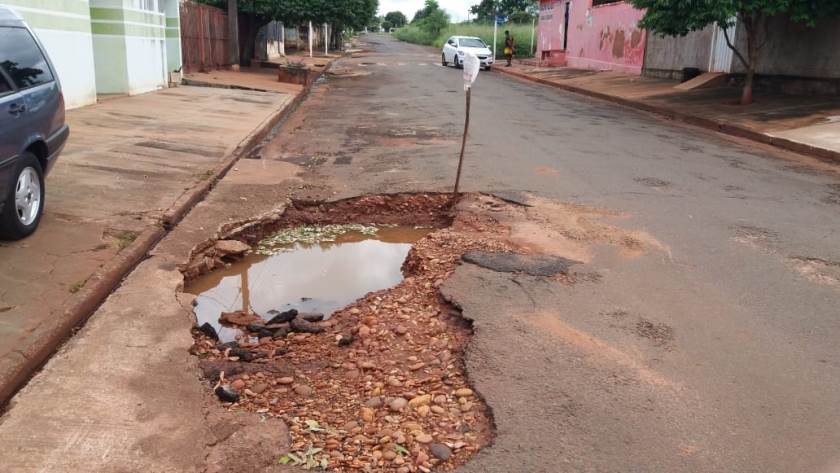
(471, 67)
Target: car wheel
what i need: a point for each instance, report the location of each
(487, 68)
(443, 59)
(24, 203)
(456, 62)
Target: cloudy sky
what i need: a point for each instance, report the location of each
(457, 8)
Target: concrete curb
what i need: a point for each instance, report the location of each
(714, 125)
(105, 279)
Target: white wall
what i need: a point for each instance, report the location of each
(146, 64)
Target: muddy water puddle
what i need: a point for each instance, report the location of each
(319, 277)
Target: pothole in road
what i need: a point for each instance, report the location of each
(313, 270)
(381, 384)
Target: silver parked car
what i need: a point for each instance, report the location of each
(456, 46)
(32, 128)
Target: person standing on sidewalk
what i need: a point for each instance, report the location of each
(508, 47)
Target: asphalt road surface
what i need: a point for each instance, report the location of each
(714, 347)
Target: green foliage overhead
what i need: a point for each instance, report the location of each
(428, 9)
(678, 17)
(345, 13)
(396, 18)
(431, 19)
(518, 10)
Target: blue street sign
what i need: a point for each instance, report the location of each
(501, 19)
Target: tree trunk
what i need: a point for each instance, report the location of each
(233, 35)
(752, 58)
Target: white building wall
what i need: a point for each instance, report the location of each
(63, 27)
(129, 38)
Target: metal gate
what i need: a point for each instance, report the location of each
(720, 55)
(204, 37)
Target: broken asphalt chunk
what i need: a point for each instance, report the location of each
(311, 316)
(208, 330)
(300, 325)
(225, 393)
(344, 340)
(245, 354)
(534, 265)
(281, 317)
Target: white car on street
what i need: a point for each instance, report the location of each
(456, 46)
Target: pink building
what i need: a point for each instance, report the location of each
(591, 34)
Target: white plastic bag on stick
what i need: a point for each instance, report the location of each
(471, 67)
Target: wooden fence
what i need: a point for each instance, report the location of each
(204, 37)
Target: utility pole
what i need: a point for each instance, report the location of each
(310, 38)
(495, 29)
(533, 28)
(326, 39)
(233, 35)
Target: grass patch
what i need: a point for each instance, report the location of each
(124, 239)
(204, 175)
(521, 35)
(77, 286)
(284, 239)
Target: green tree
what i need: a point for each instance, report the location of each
(679, 17)
(518, 10)
(340, 14)
(396, 18)
(430, 7)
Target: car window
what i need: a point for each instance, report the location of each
(21, 58)
(4, 85)
(472, 43)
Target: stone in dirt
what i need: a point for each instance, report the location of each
(367, 414)
(227, 393)
(464, 392)
(345, 340)
(278, 317)
(374, 402)
(242, 319)
(231, 247)
(534, 265)
(420, 400)
(303, 390)
(398, 404)
(208, 330)
(440, 451)
(302, 326)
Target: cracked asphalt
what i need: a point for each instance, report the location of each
(709, 347)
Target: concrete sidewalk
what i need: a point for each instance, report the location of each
(804, 124)
(133, 167)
